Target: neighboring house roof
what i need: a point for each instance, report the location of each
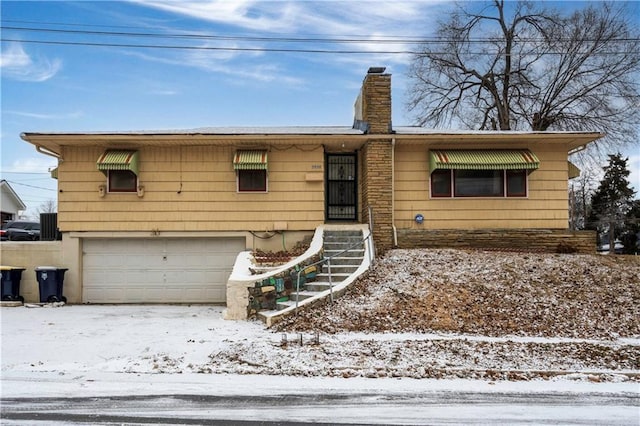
(52, 141)
(11, 202)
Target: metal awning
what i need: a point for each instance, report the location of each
(516, 159)
(250, 160)
(574, 171)
(118, 160)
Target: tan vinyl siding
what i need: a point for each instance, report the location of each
(191, 188)
(546, 205)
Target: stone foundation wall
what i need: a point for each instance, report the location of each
(551, 240)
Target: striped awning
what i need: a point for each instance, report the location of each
(250, 160)
(118, 160)
(515, 159)
(574, 171)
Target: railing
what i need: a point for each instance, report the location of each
(327, 260)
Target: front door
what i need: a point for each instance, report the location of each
(341, 198)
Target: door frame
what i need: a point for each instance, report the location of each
(328, 184)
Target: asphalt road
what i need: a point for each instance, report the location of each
(433, 408)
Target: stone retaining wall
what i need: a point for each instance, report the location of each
(544, 240)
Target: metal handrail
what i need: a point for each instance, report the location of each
(328, 260)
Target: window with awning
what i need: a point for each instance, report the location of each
(121, 169)
(481, 173)
(251, 169)
(516, 159)
(118, 160)
(250, 160)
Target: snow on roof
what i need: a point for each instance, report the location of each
(416, 130)
(285, 130)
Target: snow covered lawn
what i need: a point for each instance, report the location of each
(551, 330)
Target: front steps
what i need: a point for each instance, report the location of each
(345, 251)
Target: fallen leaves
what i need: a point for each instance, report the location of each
(487, 293)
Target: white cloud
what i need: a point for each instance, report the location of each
(368, 21)
(254, 15)
(17, 64)
(31, 165)
(71, 115)
(230, 64)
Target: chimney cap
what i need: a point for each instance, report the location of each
(376, 70)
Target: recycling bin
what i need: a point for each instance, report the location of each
(11, 277)
(50, 280)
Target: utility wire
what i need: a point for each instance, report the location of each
(30, 186)
(227, 49)
(337, 40)
(259, 49)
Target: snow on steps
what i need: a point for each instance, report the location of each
(346, 266)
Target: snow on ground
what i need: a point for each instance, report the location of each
(79, 340)
(98, 350)
(127, 350)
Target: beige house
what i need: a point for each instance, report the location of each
(161, 216)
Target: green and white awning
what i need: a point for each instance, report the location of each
(513, 159)
(250, 160)
(118, 160)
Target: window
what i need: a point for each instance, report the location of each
(121, 169)
(441, 183)
(478, 183)
(122, 181)
(252, 180)
(516, 183)
(251, 169)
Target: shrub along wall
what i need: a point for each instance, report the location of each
(552, 240)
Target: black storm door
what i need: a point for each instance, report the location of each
(341, 198)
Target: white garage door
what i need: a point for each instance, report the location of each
(158, 270)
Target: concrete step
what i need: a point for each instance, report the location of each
(335, 277)
(346, 240)
(340, 260)
(348, 249)
(343, 246)
(351, 253)
(317, 286)
(305, 294)
(330, 235)
(340, 268)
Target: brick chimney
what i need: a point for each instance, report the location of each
(373, 105)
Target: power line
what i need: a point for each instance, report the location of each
(391, 39)
(24, 173)
(30, 186)
(225, 49)
(262, 49)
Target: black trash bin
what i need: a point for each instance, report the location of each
(11, 277)
(50, 281)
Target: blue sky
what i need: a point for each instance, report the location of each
(52, 87)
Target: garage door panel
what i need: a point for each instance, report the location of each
(158, 270)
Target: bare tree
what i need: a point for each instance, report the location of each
(523, 66)
(49, 206)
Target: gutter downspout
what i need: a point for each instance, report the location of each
(40, 148)
(393, 192)
(45, 151)
(578, 149)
